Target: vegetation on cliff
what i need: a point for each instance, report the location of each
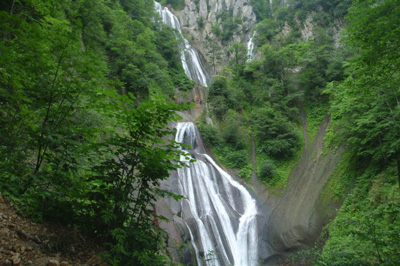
(366, 112)
(355, 81)
(267, 95)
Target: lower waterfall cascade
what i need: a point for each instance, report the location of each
(219, 212)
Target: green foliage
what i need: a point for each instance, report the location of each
(266, 29)
(305, 257)
(227, 142)
(197, 3)
(239, 54)
(313, 76)
(200, 22)
(366, 230)
(246, 172)
(366, 113)
(229, 155)
(366, 103)
(231, 132)
(176, 4)
(290, 74)
(327, 9)
(267, 170)
(210, 135)
(275, 135)
(218, 94)
(228, 25)
(361, 78)
(223, 97)
(261, 8)
(234, 158)
(281, 14)
(214, 52)
(219, 106)
(316, 112)
(140, 160)
(219, 86)
(71, 147)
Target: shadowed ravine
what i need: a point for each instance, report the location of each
(218, 211)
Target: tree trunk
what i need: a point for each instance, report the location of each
(398, 171)
(11, 13)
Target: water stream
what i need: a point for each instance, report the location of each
(190, 58)
(250, 48)
(218, 211)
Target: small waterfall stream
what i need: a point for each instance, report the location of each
(219, 212)
(190, 58)
(250, 48)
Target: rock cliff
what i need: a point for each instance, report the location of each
(295, 219)
(213, 25)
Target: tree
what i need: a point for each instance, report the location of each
(274, 134)
(214, 52)
(367, 103)
(128, 180)
(238, 52)
(317, 59)
(262, 8)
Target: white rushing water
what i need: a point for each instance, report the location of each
(218, 211)
(250, 48)
(189, 56)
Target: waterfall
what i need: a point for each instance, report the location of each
(250, 48)
(189, 56)
(219, 212)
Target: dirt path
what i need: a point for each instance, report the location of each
(304, 122)
(24, 242)
(254, 178)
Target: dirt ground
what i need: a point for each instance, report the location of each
(24, 242)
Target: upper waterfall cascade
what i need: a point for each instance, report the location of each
(219, 212)
(190, 58)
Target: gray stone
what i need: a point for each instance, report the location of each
(16, 259)
(53, 263)
(191, 14)
(4, 232)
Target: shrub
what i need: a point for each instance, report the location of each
(235, 159)
(275, 135)
(176, 4)
(210, 135)
(267, 170)
(219, 86)
(219, 106)
(246, 171)
(231, 132)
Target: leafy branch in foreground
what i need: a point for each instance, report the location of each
(139, 157)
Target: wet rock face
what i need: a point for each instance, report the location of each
(199, 17)
(299, 215)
